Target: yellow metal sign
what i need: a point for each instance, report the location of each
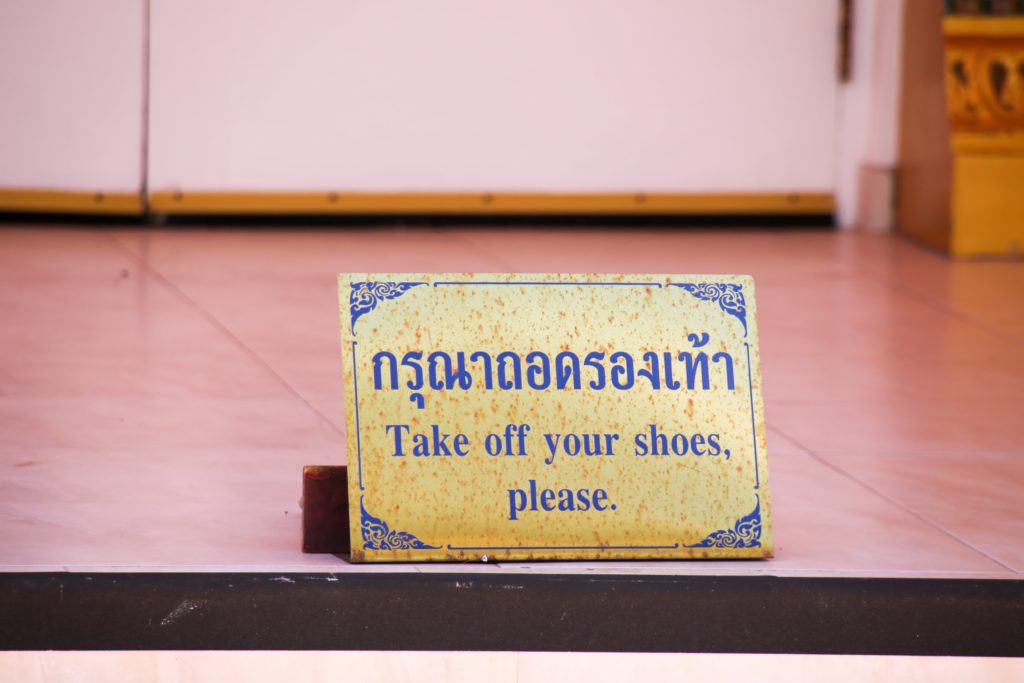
(526, 417)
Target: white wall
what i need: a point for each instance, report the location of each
(670, 95)
(867, 124)
(71, 94)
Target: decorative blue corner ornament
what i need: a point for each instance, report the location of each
(728, 296)
(366, 295)
(377, 535)
(746, 533)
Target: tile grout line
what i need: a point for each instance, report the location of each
(832, 466)
(934, 257)
(956, 315)
(223, 329)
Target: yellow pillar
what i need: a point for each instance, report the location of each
(985, 99)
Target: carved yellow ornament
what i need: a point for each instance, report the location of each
(985, 85)
(984, 70)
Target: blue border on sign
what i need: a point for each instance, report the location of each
(377, 535)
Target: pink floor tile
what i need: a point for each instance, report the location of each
(141, 425)
(825, 521)
(160, 390)
(888, 426)
(974, 496)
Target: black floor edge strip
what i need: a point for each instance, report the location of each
(414, 611)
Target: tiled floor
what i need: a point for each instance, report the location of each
(160, 391)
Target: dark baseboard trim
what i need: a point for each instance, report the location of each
(812, 221)
(577, 612)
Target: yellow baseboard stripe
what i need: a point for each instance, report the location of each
(482, 203)
(992, 143)
(58, 201)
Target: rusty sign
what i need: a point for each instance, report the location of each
(501, 417)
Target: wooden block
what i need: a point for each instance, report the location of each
(325, 509)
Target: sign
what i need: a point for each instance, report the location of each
(519, 417)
